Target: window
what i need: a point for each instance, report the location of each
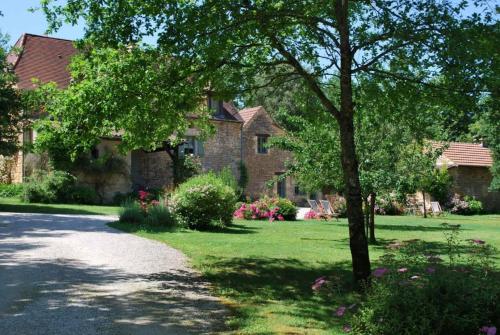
(216, 106)
(191, 146)
(94, 153)
(261, 144)
(298, 191)
(281, 186)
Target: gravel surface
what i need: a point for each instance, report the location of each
(72, 274)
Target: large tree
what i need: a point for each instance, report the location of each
(10, 104)
(225, 44)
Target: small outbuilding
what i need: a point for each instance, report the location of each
(469, 164)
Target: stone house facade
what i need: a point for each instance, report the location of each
(469, 165)
(240, 135)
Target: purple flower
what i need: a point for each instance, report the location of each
(479, 242)
(488, 330)
(402, 270)
(380, 272)
(347, 329)
(318, 283)
(430, 269)
(340, 311)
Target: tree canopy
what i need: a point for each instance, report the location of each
(10, 104)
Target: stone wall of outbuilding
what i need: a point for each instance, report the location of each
(474, 181)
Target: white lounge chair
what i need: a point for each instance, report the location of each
(436, 208)
(328, 209)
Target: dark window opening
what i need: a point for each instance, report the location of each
(281, 187)
(261, 144)
(94, 153)
(216, 106)
(298, 191)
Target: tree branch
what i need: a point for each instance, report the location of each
(310, 81)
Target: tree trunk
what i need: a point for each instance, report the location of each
(357, 237)
(425, 210)
(367, 214)
(372, 218)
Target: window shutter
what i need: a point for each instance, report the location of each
(200, 148)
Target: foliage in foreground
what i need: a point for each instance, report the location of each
(416, 292)
(203, 202)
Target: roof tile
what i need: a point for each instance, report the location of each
(42, 57)
(466, 154)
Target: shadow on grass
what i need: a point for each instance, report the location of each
(133, 228)
(270, 283)
(45, 209)
(410, 227)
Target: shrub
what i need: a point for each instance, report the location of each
(439, 185)
(287, 209)
(160, 215)
(467, 206)
(81, 194)
(419, 293)
(311, 215)
(11, 190)
(204, 201)
(339, 205)
(55, 186)
(267, 208)
(131, 212)
(389, 205)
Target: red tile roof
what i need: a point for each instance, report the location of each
(466, 154)
(247, 114)
(42, 57)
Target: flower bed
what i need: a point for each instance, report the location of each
(267, 209)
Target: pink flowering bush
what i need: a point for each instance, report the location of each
(311, 215)
(146, 210)
(271, 209)
(204, 202)
(415, 292)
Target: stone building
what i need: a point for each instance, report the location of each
(469, 165)
(240, 136)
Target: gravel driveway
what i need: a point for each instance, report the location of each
(72, 274)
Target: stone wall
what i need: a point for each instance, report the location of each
(474, 181)
(263, 168)
(223, 148)
(116, 183)
(151, 169)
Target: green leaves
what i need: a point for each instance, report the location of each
(11, 118)
(133, 93)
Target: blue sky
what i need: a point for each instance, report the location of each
(17, 20)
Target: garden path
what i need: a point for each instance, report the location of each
(72, 274)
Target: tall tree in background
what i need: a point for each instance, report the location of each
(10, 104)
(225, 44)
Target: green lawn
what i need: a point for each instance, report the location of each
(17, 206)
(264, 271)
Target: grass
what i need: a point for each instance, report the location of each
(15, 205)
(264, 271)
